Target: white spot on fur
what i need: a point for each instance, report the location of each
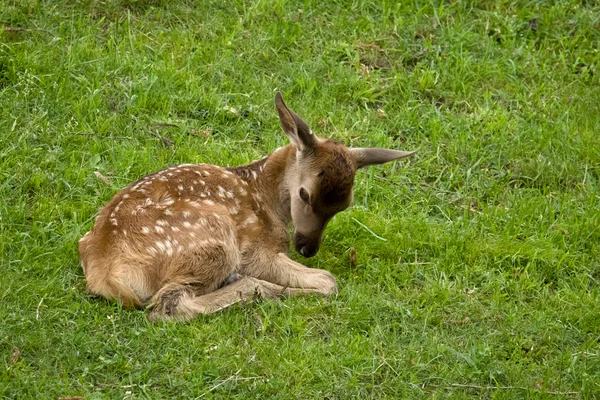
(186, 214)
(145, 230)
(254, 174)
(162, 222)
(125, 196)
(250, 220)
(161, 246)
(168, 212)
(209, 202)
(180, 187)
(187, 225)
(175, 229)
(159, 229)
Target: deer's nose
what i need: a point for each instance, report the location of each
(308, 251)
(305, 246)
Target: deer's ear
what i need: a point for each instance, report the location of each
(366, 157)
(294, 127)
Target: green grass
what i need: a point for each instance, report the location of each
(487, 285)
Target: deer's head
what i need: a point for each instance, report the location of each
(321, 177)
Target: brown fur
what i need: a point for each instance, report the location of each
(197, 238)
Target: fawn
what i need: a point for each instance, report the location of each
(194, 239)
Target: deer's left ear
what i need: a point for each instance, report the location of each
(365, 157)
(294, 127)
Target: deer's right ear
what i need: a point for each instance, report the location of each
(294, 127)
(366, 157)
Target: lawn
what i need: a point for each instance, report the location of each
(477, 261)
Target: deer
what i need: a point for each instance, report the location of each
(196, 238)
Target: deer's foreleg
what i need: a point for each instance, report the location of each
(279, 269)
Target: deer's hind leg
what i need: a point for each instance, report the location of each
(181, 303)
(205, 266)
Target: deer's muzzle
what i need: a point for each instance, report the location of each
(306, 245)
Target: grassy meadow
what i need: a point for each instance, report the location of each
(477, 270)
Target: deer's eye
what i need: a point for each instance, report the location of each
(303, 195)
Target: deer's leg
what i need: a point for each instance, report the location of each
(200, 268)
(281, 270)
(179, 301)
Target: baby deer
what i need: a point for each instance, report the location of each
(194, 239)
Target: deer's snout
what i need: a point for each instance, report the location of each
(305, 245)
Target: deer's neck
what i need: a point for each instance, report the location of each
(267, 179)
